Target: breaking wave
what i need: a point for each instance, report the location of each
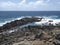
(56, 18)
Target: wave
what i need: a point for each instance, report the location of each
(12, 19)
(43, 22)
(45, 18)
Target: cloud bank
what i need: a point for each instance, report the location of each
(38, 5)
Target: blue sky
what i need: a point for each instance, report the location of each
(29, 5)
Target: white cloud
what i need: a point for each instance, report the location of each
(24, 6)
(7, 4)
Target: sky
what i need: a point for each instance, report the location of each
(29, 5)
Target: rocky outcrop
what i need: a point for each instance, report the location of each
(30, 35)
(19, 23)
(33, 35)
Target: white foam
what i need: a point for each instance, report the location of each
(46, 22)
(13, 19)
(1, 24)
(10, 31)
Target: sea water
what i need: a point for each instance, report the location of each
(8, 16)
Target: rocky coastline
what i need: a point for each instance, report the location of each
(12, 34)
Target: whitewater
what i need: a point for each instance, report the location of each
(45, 20)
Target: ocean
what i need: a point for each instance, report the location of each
(8, 16)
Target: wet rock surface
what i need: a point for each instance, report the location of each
(31, 35)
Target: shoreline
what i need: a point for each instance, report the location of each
(12, 33)
(21, 17)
